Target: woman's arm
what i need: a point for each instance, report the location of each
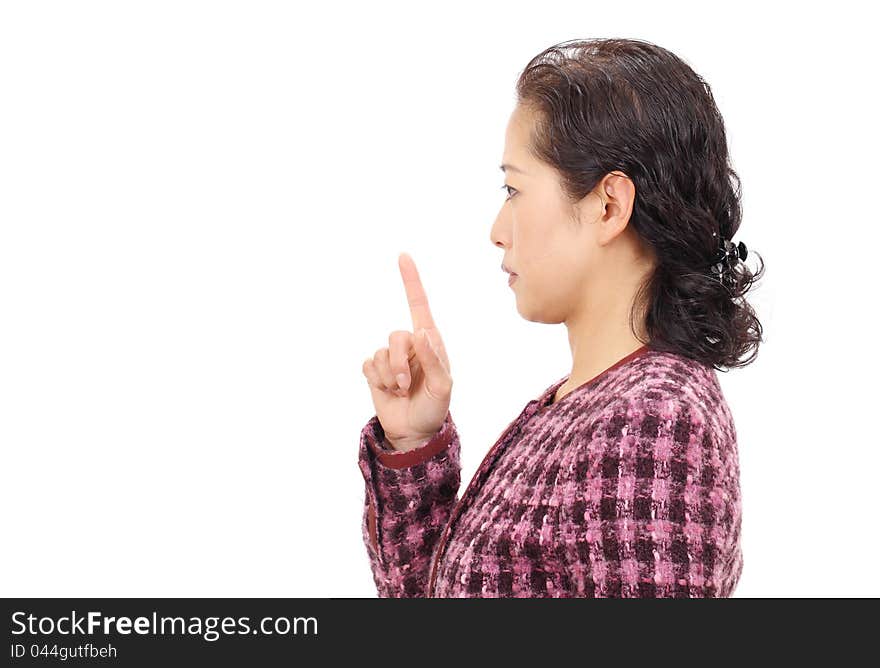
(409, 498)
(655, 508)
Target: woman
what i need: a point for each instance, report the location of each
(622, 478)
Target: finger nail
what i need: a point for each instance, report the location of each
(402, 381)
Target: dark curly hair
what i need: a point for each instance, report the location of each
(609, 104)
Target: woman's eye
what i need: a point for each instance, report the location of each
(509, 188)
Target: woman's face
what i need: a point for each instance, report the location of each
(565, 267)
(544, 246)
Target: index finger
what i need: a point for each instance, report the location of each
(415, 294)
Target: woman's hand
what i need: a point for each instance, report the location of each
(410, 380)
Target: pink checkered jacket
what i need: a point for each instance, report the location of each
(626, 487)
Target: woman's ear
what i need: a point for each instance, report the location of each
(620, 193)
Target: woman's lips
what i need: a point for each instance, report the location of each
(511, 279)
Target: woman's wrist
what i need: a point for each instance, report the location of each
(404, 445)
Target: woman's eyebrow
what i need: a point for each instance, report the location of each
(512, 168)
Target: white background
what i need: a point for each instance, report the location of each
(201, 209)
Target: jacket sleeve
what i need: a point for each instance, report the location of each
(409, 499)
(654, 507)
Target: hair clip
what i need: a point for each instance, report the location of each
(727, 256)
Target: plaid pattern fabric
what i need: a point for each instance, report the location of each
(626, 487)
